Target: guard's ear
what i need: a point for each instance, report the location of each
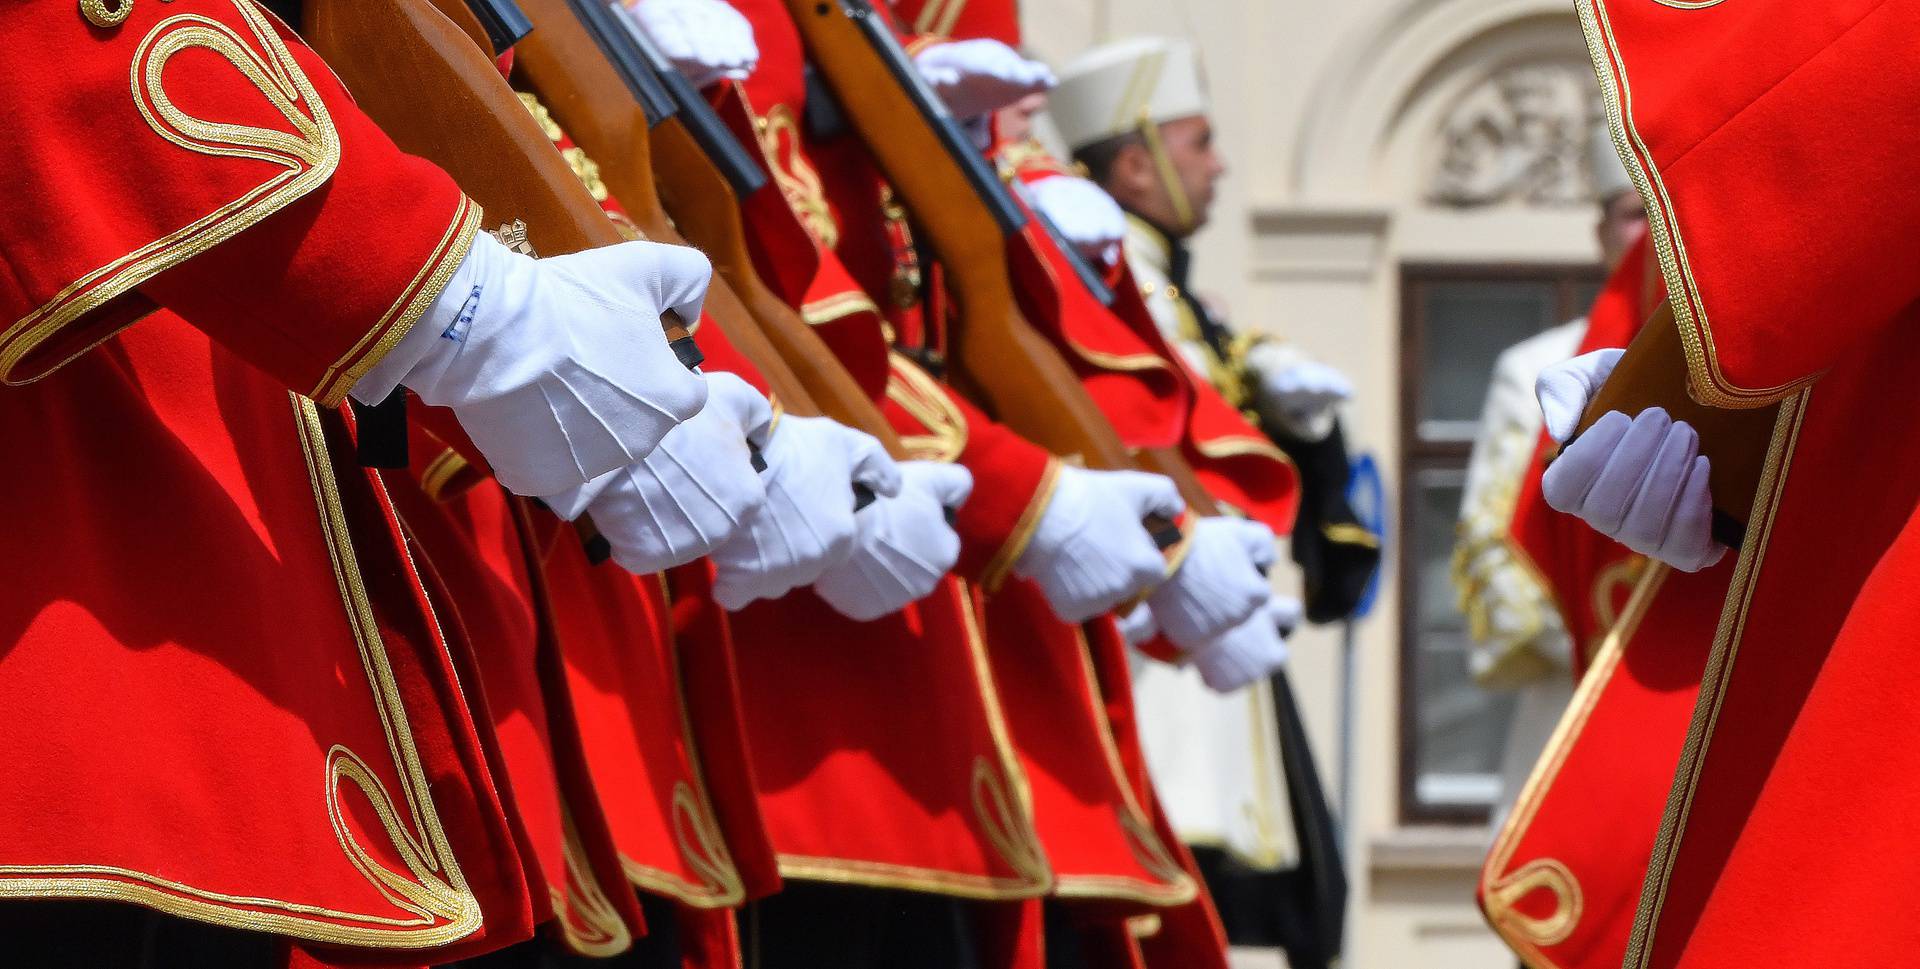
(1132, 179)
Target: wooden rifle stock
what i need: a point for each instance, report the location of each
(647, 160)
(1653, 373)
(423, 74)
(994, 355)
(969, 217)
(420, 77)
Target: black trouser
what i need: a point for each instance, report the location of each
(658, 949)
(1258, 908)
(1066, 949)
(810, 925)
(109, 935)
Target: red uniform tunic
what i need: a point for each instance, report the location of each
(633, 709)
(648, 664)
(474, 555)
(1067, 775)
(204, 120)
(1771, 143)
(1560, 897)
(937, 808)
(241, 702)
(1143, 387)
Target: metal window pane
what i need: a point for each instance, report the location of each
(1585, 291)
(1460, 728)
(1468, 323)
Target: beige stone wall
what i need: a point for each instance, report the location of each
(1331, 118)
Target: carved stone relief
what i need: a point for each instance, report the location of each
(1520, 137)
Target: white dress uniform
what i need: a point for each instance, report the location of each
(1519, 641)
(1214, 758)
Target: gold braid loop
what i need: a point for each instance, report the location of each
(99, 14)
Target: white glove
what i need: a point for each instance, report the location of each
(557, 368)
(1219, 582)
(1138, 626)
(1253, 650)
(1089, 551)
(905, 544)
(705, 39)
(1643, 483)
(1565, 389)
(980, 76)
(691, 495)
(807, 522)
(1296, 392)
(1084, 213)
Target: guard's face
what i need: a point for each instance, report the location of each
(1016, 119)
(1196, 162)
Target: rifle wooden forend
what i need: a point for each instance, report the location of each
(414, 66)
(697, 196)
(590, 102)
(648, 160)
(994, 355)
(420, 77)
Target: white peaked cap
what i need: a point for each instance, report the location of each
(1609, 175)
(1110, 89)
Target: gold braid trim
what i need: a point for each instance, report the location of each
(1725, 652)
(398, 321)
(799, 183)
(1706, 383)
(591, 924)
(441, 472)
(305, 158)
(1501, 888)
(584, 168)
(838, 306)
(1016, 544)
(926, 401)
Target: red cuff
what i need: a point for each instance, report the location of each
(1012, 477)
(346, 239)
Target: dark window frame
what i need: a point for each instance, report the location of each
(1420, 454)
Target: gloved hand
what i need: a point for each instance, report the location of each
(1138, 625)
(705, 39)
(980, 76)
(691, 495)
(556, 368)
(1089, 551)
(1250, 651)
(1219, 583)
(1643, 483)
(1297, 392)
(807, 523)
(1084, 213)
(904, 546)
(1565, 389)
